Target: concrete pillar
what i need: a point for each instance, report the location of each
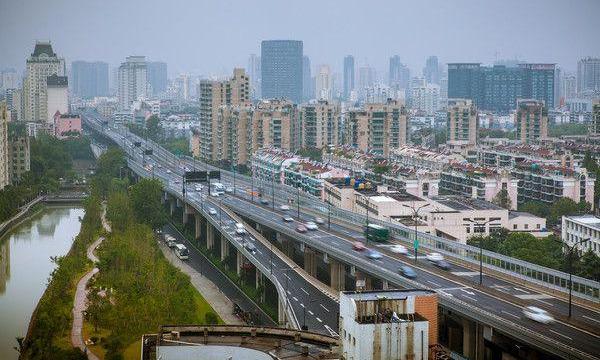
(385, 285)
(310, 261)
(171, 207)
(224, 248)
(187, 210)
(197, 225)
(281, 312)
(210, 236)
(260, 279)
(469, 339)
(338, 274)
(239, 262)
(362, 278)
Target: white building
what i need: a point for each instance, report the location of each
(57, 97)
(42, 63)
(132, 81)
(425, 98)
(578, 228)
(388, 324)
(324, 83)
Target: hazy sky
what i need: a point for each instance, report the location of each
(210, 37)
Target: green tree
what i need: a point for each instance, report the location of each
(502, 199)
(119, 211)
(153, 129)
(311, 153)
(536, 208)
(145, 201)
(380, 169)
(565, 206)
(590, 266)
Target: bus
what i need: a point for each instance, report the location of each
(181, 251)
(377, 233)
(218, 189)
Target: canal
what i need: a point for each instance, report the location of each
(25, 266)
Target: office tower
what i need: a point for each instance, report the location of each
(57, 97)
(281, 69)
(9, 80)
(594, 128)
(531, 121)
(431, 72)
(443, 90)
(4, 158)
(132, 81)
(588, 75)
(213, 94)
(307, 81)
(183, 86)
(254, 75)
(497, 88)
(89, 79)
(462, 123)
(348, 76)
(42, 63)
(399, 74)
(324, 83)
(157, 76)
(320, 124)
(377, 128)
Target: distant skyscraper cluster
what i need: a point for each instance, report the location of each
(89, 79)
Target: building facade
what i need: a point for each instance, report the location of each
(462, 123)
(132, 81)
(4, 155)
(588, 75)
(157, 76)
(19, 155)
(89, 79)
(580, 227)
(349, 71)
(281, 70)
(66, 125)
(320, 124)
(531, 121)
(594, 128)
(42, 63)
(57, 95)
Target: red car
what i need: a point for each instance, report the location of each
(301, 229)
(358, 246)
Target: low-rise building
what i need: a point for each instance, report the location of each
(581, 227)
(66, 125)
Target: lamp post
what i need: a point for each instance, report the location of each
(415, 211)
(298, 201)
(570, 249)
(479, 225)
(252, 185)
(273, 191)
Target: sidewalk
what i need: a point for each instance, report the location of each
(219, 302)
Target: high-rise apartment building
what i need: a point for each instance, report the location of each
(588, 75)
(254, 75)
(531, 121)
(594, 128)
(213, 95)
(281, 69)
(42, 63)
(425, 97)
(497, 88)
(4, 156)
(308, 90)
(132, 81)
(366, 77)
(57, 97)
(275, 124)
(9, 79)
(462, 123)
(89, 79)
(320, 124)
(324, 83)
(431, 71)
(377, 128)
(348, 76)
(157, 76)
(569, 86)
(399, 74)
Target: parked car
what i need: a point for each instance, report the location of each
(538, 315)
(319, 220)
(287, 218)
(198, 188)
(374, 255)
(284, 208)
(358, 246)
(311, 225)
(301, 229)
(212, 211)
(442, 264)
(434, 257)
(407, 271)
(399, 249)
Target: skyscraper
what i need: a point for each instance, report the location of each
(588, 75)
(132, 81)
(89, 79)
(324, 83)
(281, 69)
(254, 75)
(348, 75)
(308, 90)
(399, 74)
(42, 63)
(538, 82)
(157, 76)
(431, 72)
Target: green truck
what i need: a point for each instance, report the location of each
(377, 233)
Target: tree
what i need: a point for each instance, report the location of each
(145, 201)
(565, 206)
(119, 211)
(502, 199)
(153, 129)
(380, 169)
(536, 208)
(590, 266)
(311, 153)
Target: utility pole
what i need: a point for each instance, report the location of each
(415, 211)
(480, 243)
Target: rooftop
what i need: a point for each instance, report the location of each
(588, 220)
(55, 80)
(461, 203)
(43, 48)
(392, 294)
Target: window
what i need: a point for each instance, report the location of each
(526, 226)
(514, 226)
(537, 226)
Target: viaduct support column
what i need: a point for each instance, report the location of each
(362, 278)
(224, 248)
(187, 210)
(469, 339)
(310, 261)
(210, 236)
(197, 225)
(338, 274)
(260, 279)
(239, 262)
(171, 207)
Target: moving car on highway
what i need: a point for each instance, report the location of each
(374, 255)
(399, 249)
(287, 218)
(434, 257)
(301, 229)
(310, 225)
(407, 271)
(538, 315)
(358, 246)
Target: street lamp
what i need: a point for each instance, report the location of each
(479, 225)
(273, 191)
(570, 249)
(415, 211)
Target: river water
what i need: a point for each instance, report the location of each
(25, 267)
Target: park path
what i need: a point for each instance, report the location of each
(80, 301)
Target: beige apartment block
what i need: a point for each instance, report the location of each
(531, 121)
(320, 123)
(4, 156)
(275, 124)
(462, 124)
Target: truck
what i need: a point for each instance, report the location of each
(377, 233)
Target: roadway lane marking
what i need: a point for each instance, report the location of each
(470, 298)
(465, 273)
(589, 318)
(310, 312)
(534, 296)
(510, 314)
(545, 302)
(306, 292)
(433, 283)
(521, 290)
(559, 334)
(287, 276)
(295, 298)
(331, 332)
(260, 252)
(467, 292)
(301, 304)
(319, 320)
(324, 308)
(289, 293)
(453, 288)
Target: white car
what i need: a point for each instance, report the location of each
(319, 220)
(284, 208)
(311, 225)
(538, 315)
(214, 193)
(169, 171)
(229, 189)
(399, 249)
(240, 229)
(434, 257)
(198, 188)
(212, 211)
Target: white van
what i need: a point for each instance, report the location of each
(181, 251)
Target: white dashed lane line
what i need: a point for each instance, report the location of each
(324, 308)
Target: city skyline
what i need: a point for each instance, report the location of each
(408, 38)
